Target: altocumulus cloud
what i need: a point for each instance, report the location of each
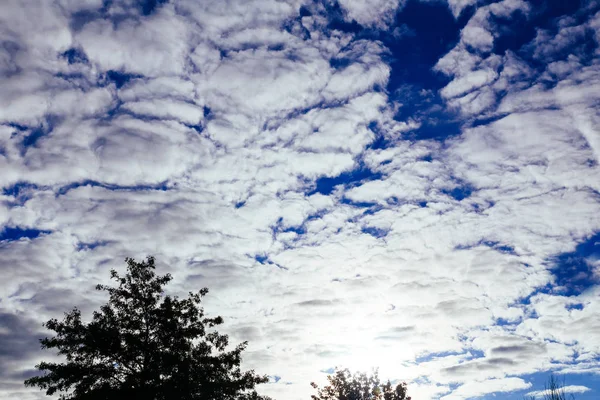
(354, 189)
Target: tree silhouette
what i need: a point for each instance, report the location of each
(145, 345)
(554, 390)
(343, 385)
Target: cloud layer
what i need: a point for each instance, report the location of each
(260, 148)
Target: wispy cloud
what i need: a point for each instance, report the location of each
(566, 389)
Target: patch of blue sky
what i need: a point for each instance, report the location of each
(546, 11)
(16, 233)
(576, 306)
(436, 123)
(434, 31)
(295, 27)
(18, 127)
(119, 78)
(83, 246)
(539, 379)
(118, 110)
(31, 135)
(144, 7)
(298, 229)
(75, 56)
(335, 15)
(422, 32)
(263, 259)
(162, 186)
(583, 47)
(526, 300)
(518, 32)
(372, 207)
(361, 174)
(380, 141)
(574, 271)
(149, 6)
(507, 323)
(500, 247)
(416, 86)
(19, 189)
(459, 193)
(199, 128)
(485, 120)
(21, 192)
(377, 233)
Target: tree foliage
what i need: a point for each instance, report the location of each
(343, 385)
(146, 345)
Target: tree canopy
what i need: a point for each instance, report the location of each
(144, 344)
(343, 385)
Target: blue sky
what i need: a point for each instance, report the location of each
(403, 184)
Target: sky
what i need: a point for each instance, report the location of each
(411, 185)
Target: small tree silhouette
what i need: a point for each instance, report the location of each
(144, 345)
(554, 390)
(343, 385)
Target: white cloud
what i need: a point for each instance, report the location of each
(474, 71)
(457, 6)
(477, 37)
(379, 13)
(153, 48)
(475, 389)
(469, 82)
(566, 389)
